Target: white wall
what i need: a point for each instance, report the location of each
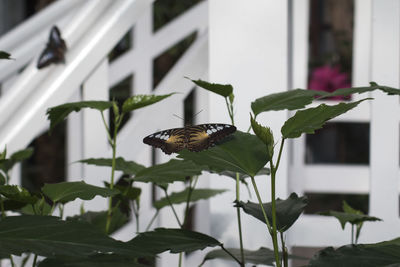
(248, 49)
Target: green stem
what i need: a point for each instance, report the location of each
(239, 220)
(34, 261)
(12, 261)
(3, 212)
(279, 155)
(230, 254)
(261, 204)
(152, 220)
(180, 259)
(352, 234)
(273, 211)
(285, 255)
(172, 207)
(188, 202)
(114, 152)
(230, 110)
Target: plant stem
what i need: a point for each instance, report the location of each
(239, 220)
(12, 261)
(3, 212)
(34, 261)
(114, 152)
(352, 234)
(180, 259)
(230, 254)
(284, 251)
(261, 204)
(273, 211)
(172, 207)
(188, 201)
(152, 220)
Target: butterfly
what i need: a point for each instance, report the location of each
(195, 138)
(54, 51)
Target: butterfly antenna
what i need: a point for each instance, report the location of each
(196, 114)
(178, 117)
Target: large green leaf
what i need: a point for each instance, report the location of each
(173, 170)
(359, 90)
(20, 155)
(241, 152)
(309, 120)
(287, 211)
(5, 55)
(139, 101)
(93, 261)
(17, 193)
(371, 255)
(263, 255)
(175, 240)
(58, 113)
(352, 218)
(99, 218)
(51, 237)
(181, 197)
(291, 100)
(68, 191)
(224, 90)
(127, 167)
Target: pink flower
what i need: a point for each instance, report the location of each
(328, 79)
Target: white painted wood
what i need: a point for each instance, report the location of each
(384, 155)
(248, 49)
(81, 60)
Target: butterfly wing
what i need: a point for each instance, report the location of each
(204, 136)
(170, 141)
(55, 38)
(54, 51)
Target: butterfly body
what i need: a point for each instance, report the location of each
(195, 138)
(54, 51)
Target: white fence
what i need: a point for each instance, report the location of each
(248, 46)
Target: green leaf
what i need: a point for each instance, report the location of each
(265, 135)
(5, 55)
(8, 164)
(93, 261)
(351, 218)
(309, 120)
(51, 237)
(287, 211)
(371, 255)
(224, 90)
(181, 197)
(263, 255)
(241, 152)
(58, 113)
(359, 90)
(291, 100)
(173, 170)
(127, 167)
(68, 191)
(139, 101)
(2, 179)
(175, 240)
(3, 154)
(17, 193)
(99, 218)
(40, 207)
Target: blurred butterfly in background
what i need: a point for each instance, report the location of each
(54, 51)
(195, 138)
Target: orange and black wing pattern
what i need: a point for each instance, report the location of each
(170, 141)
(204, 136)
(194, 138)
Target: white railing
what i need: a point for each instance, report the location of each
(91, 29)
